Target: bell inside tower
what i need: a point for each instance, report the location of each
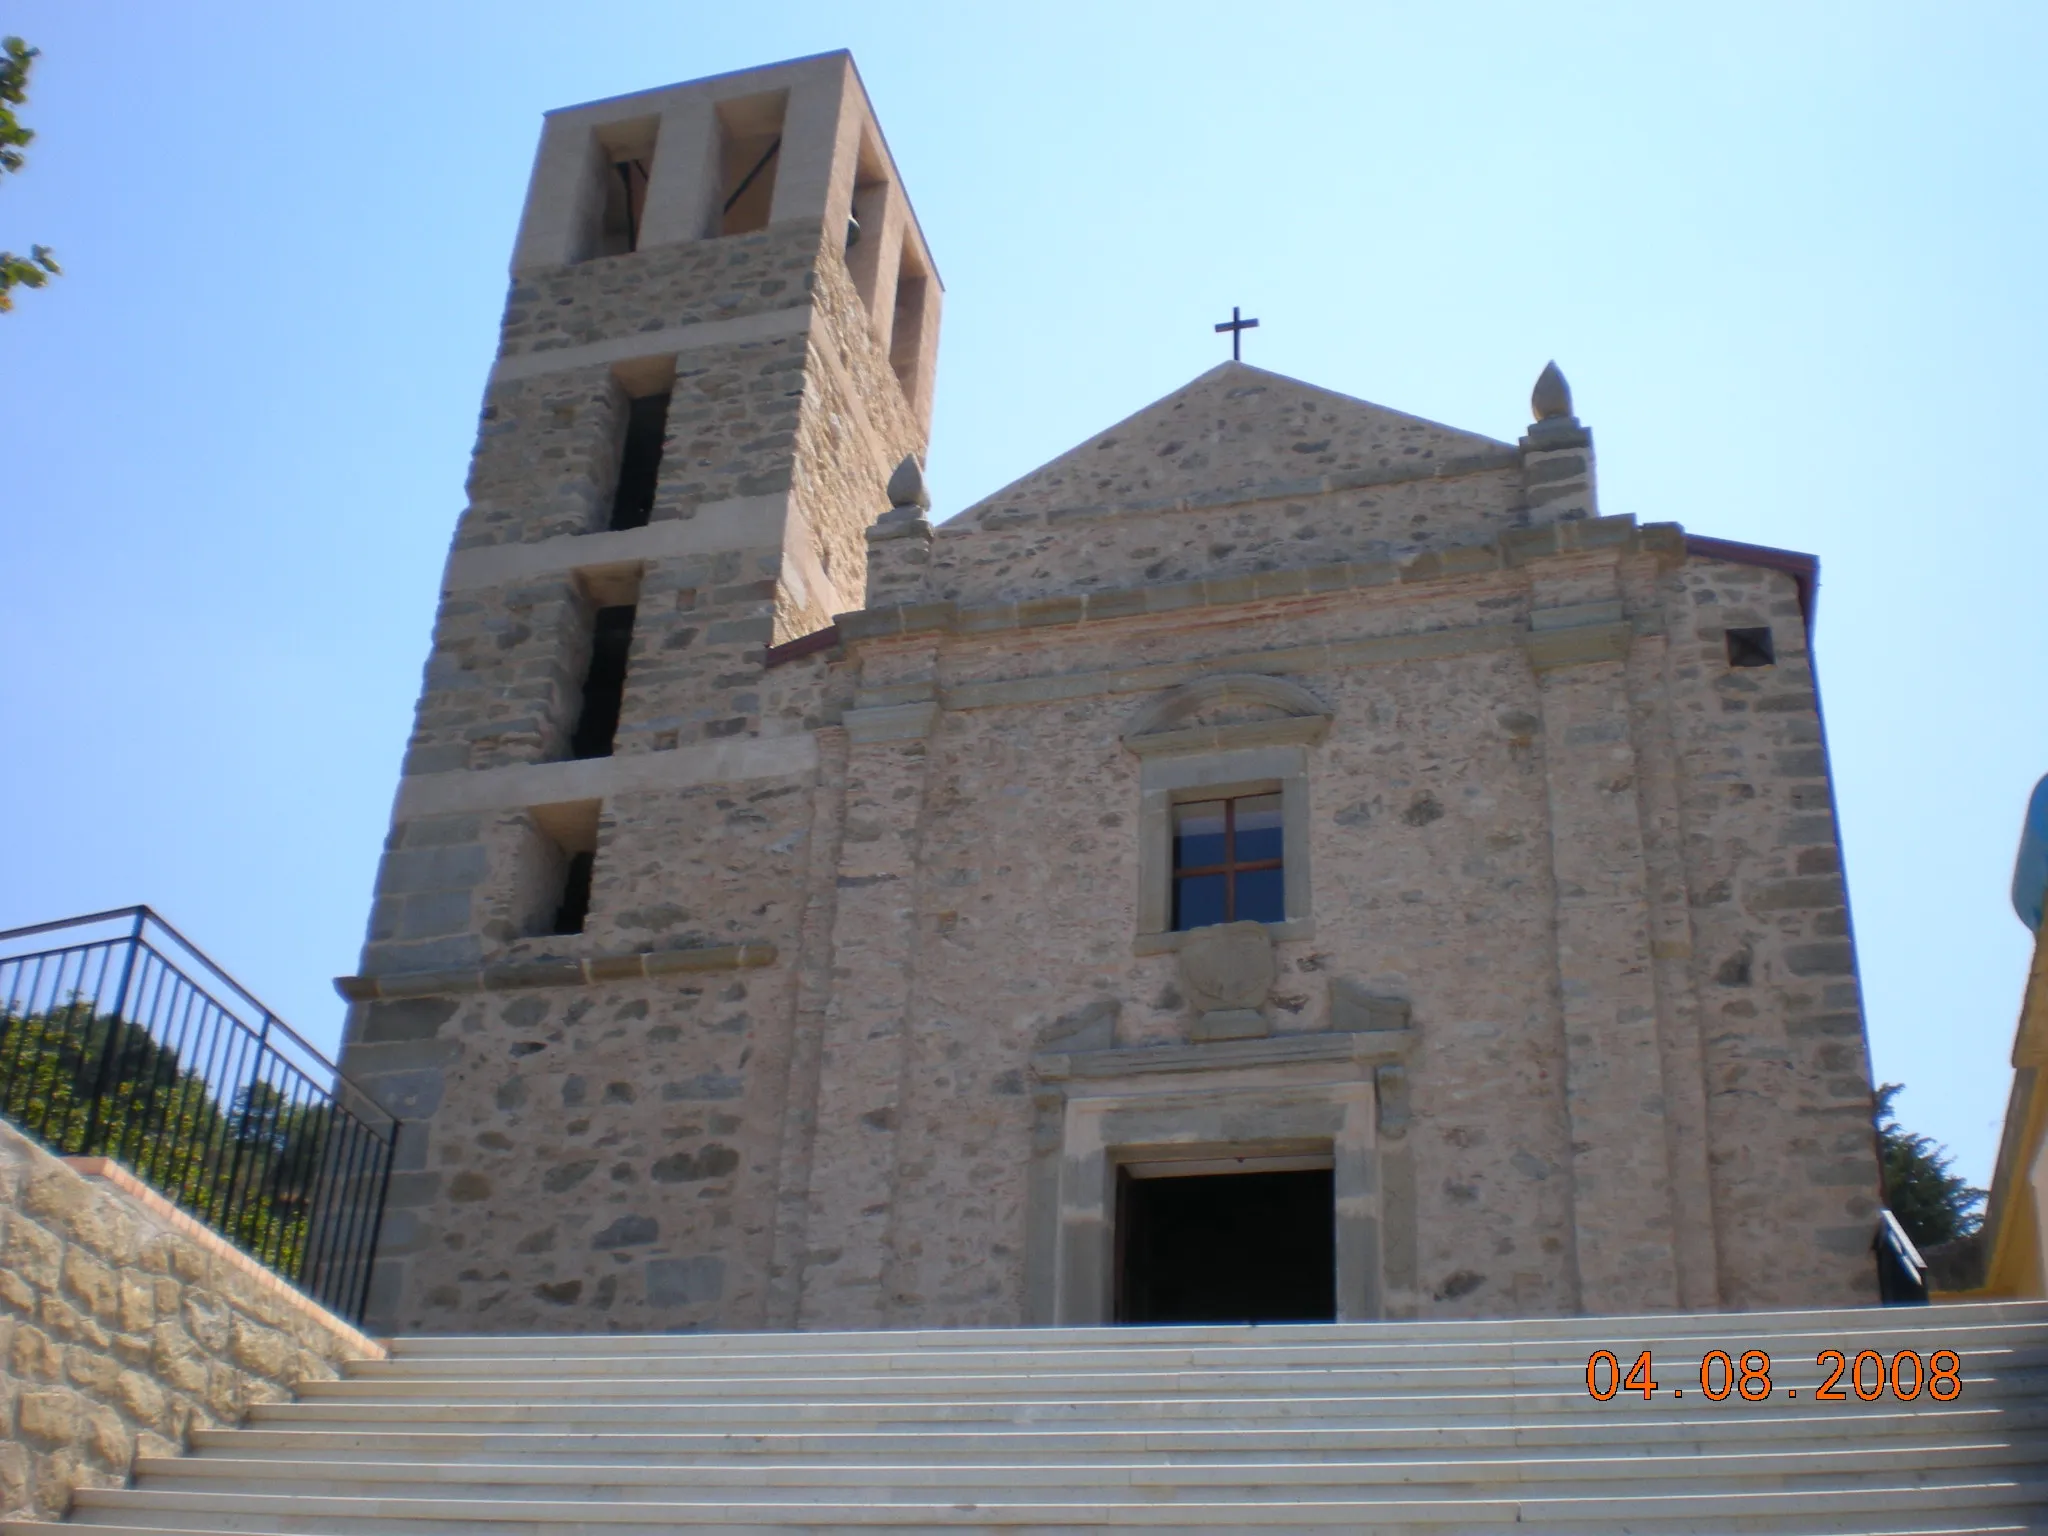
(749, 153)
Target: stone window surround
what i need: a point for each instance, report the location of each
(1181, 764)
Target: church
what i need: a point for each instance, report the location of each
(1282, 860)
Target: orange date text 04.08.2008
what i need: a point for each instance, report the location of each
(1867, 1376)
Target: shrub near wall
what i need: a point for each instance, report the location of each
(124, 1325)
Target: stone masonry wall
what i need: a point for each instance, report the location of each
(1788, 1070)
(546, 457)
(999, 562)
(604, 1157)
(669, 285)
(504, 681)
(546, 444)
(1240, 471)
(856, 426)
(1431, 882)
(615, 1156)
(1440, 868)
(607, 1157)
(620, 1156)
(124, 1326)
(819, 418)
(504, 678)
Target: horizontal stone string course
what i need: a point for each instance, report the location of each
(714, 527)
(638, 965)
(511, 786)
(1549, 648)
(1107, 605)
(1459, 640)
(1519, 547)
(559, 356)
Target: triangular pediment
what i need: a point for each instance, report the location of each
(1234, 433)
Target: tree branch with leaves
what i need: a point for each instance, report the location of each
(1932, 1204)
(39, 266)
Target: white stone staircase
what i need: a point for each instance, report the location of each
(1441, 1428)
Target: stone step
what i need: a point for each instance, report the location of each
(1331, 1409)
(663, 1358)
(1242, 1480)
(1985, 1520)
(1981, 1370)
(1444, 1429)
(281, 1515)
(1595, 1332)
(1801, 1429)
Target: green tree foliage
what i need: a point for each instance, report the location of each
(248, 1169)
(39, 266)
(1932, 1204)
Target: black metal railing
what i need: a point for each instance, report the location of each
(119, 1039)
(1901, 1272)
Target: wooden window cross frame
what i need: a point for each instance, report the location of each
(1231, 867)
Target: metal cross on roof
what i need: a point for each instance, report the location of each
(1237, 327)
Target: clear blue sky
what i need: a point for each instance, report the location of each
(1790, 255)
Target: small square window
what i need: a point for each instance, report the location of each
(1227, 864)
(1751, 648)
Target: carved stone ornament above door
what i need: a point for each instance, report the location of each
(1227, 970)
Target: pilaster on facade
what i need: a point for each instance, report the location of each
(867, 1023)
(1659, 797)
(1623, 1215)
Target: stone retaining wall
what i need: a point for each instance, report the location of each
(124, 1324)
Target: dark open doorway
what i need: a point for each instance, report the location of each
(1226, 1248)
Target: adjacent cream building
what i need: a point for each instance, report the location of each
(1282, 858)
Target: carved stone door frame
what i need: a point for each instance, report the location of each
(1335, 1095)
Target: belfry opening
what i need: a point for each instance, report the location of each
(1255, 1247)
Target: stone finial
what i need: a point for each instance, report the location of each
(907, 487)
(1557, 456)
(1552, 397)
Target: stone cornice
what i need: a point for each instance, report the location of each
(1356, 1046)
(1304, 729)
(1804, 569)
(512, 975)
(1517, 547)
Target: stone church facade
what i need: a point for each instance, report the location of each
(799, 915)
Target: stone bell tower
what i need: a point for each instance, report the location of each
(718, 346)
(742, 248)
